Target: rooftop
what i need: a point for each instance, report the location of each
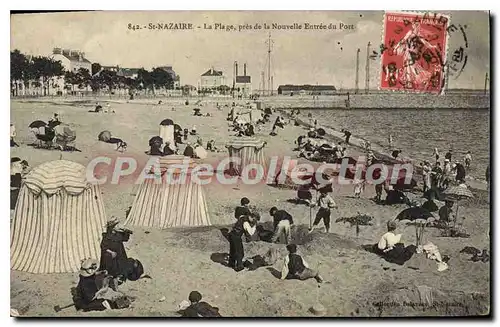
(212, 72)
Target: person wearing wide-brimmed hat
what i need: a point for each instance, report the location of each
(113, 255)
(326, 204)
(88, 289)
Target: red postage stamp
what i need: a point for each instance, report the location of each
(414, 52)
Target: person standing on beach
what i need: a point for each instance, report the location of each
(347, 135)
(236, 252)
(391, 140)
(436, 154)
(448, 155)
(445, 180)
(243, 209)
(326, 204)
(460, 172)
(436, 174)
(468, 160)
(426, 174)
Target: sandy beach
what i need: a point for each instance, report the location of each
(182, 260)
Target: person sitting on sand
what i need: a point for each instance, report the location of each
(198, 308)
(93, 292)
(249, 130)
(189, 151)
(395, 154)
(295, 267)
(186, 134)
(167, 149)
(13, 134)
(282, 221)
(243, 209)
(446, 212)
(390, 247)
(211, 146)
(193, 131)
(266, 260)
(326, 204)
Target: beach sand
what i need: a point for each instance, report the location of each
(180, 260)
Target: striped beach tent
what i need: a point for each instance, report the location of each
(175, 200)
(249, 150)
(58, 220)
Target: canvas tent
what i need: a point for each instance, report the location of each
(169, 203)
(251, 116)
(249, 150)
(166, 131)
(58, 220)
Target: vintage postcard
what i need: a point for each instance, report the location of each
(250, 164)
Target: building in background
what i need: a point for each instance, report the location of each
(132, 73)
(243, 83)
(306, 90)
(212, 80)
(72, 60)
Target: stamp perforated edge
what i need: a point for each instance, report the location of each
(447, 36)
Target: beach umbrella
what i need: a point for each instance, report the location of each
(418, 216)
(53, 123)
(457, 193)
(38, 124)
(321, 132)
(430, 205)
(104, 136)
(414, 213)
(167, 122)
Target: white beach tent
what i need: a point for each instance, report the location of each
(249, 150)
(58, 220)
(167, 204)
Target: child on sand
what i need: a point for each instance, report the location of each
(325, 203)
(468, 160)
(295, 267)
(359, 187)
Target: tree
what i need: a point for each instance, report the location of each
(71, 79)
(83, 78)
(96, 67)
(18, 69)
(162, 78)
(45, 69)
(145, 79)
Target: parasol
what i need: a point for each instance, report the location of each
(457, 193)
(167, 122)
(37, 124)
(419, 216)
(104, 136)
(53, 123)
(321, 132)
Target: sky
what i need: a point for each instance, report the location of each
(298, 56)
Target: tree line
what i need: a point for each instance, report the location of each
(41, 71)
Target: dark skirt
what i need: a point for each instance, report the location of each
(398, 255)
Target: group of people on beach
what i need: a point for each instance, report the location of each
(247, 228)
